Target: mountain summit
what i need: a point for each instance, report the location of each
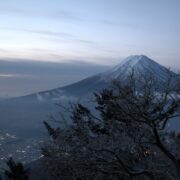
(136, 60)
(140, 65)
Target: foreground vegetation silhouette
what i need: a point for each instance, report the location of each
(124, 137)
(16, 171)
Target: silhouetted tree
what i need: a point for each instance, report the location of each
(51, 131)
(16, 171)
(125, 139)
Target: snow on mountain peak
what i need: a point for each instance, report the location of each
(135, 60)
(140, 64)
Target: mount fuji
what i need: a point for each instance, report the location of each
(24, 115)
(21, 123)
(139, 64)
(142, 65)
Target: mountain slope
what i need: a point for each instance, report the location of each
(139, 64)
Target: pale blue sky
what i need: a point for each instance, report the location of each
(98, 31)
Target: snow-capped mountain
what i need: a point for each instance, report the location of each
(138, 64)
(25, 114)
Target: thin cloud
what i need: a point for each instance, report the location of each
(50, 33)
(41, 32)
(83, 41)
(55, 35)
(3, 50)
(60, 14)
(5, 10)
(54, 14)
(120, 23)
(14, 75)
(72, 39)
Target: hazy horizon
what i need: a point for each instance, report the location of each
(18, 78)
